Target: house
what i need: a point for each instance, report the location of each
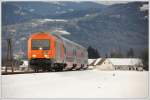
(120, 64)
(127, 63)
(24, 66)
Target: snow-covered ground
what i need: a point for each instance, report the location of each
(77, 84)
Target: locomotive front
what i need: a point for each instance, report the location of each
(41, 51)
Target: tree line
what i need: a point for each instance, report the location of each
(93, 53)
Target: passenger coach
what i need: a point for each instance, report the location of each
(53, 52)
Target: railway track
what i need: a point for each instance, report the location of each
(29, 72)
(10, 73)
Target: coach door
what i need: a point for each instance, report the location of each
(74, 53)
(58, 51)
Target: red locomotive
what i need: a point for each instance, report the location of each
(53, 52)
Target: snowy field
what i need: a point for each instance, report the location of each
(76, 84)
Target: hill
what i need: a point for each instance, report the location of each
(116, 27)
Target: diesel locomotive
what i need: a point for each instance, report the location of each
(52, 52)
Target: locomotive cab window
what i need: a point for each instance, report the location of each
(43, 44)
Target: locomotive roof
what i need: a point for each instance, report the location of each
(40, 33)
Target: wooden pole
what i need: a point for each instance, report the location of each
(9, 55)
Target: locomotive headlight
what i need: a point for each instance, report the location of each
(40, 48)
(33, 56)
(46, 56)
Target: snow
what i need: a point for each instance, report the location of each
(87, 15)
(60, 20)
(19, 12)
(144, 7)
(76, 84)
(145, 17)
(61, 31)
(64, 32)
(23, 38)
(71, 10)
(31, 10)
(61, 12)
(34, 24)
(116, 16)
(51, 20)
(16, 11)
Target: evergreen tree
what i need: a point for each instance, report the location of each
(130, 53)
(93, 53)
(106, 56)
(97, 55)
(112, 54)
(145, 59)
(115, 54)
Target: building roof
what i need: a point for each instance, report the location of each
(101, 61)
(125, 61)
(97, 61)
(116, 61)
(25, 62)
(91, 61)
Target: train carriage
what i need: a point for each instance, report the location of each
(53, 52)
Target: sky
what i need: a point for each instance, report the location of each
(105, 2)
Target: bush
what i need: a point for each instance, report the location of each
(145, 59)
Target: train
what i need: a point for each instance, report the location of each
(52, 52)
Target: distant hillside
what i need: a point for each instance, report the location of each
(23, 11)
(12, 14)
(117, 27)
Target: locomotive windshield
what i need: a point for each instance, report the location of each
(40, 44)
